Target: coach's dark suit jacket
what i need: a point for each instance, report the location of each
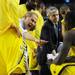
(48, 34)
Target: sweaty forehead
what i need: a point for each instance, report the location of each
(35, 16)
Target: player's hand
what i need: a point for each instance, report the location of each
(41, 42)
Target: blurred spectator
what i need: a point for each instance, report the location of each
(64, 9)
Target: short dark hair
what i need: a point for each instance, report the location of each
(64, 8)
(69, 20)
(30, 6)
(22, 1)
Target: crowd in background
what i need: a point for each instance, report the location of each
(37, 38)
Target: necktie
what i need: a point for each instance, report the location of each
(56, 30)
